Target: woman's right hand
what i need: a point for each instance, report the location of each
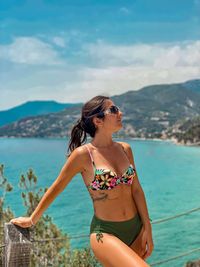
(23, 222)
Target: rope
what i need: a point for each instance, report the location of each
(151, 264)
(58, 239)
(154, 222)
(51, 239)
(47, 239)
(175, 257)
(175, 216)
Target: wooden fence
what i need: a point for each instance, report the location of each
(17, 246)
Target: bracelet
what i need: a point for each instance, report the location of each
(32, 222)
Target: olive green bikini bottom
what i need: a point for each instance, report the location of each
(127, 231)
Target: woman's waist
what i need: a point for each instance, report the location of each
(115, 213)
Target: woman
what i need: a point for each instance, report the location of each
(120, 230)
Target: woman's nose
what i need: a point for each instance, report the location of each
(120, 113)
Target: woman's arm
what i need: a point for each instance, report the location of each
(137, 191)
(139, 199)
(73, 165)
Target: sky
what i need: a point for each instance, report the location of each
(70, 51)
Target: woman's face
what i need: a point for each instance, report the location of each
(112, 122)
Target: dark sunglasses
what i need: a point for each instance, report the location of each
(112, 110)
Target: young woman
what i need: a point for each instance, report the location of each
(120, 230)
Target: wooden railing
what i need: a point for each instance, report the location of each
(17, 246)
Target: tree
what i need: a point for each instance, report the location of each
(51, 247)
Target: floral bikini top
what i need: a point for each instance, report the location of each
(105, 179)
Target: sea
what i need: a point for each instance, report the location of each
(168, 173)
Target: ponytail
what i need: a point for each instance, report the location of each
(78, 136)
(84, 125)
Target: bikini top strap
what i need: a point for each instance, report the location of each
(91, 157)
(125, 152)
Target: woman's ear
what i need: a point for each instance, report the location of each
(97, 122)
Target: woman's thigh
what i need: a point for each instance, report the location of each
(112, 252)
(136, 246)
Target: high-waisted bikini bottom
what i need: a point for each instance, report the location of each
(127, 231)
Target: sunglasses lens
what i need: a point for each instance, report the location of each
(114, 109)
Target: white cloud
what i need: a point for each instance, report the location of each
(187, 55)
(107, 54)
(117, 80)
(30, 50)
(152, 55)
(59, 41)
(122, 68)
(116, 69)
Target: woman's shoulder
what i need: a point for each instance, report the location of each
(127, 148)
(124, 144)
(80, 151)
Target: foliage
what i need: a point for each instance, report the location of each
(5, 187)
(5, 213)
(44, 252)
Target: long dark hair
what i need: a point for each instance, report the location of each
(84, 125)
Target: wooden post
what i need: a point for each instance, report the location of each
(17, 246)
(193, 263)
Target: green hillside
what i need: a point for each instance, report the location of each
(153, 111)
(31, 108)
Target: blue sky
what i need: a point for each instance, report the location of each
(69, 51)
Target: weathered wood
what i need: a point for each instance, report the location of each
(17, 246)
(193, 263)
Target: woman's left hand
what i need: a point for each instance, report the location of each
(147, 242)
(22, 221)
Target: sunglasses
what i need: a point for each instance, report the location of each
(112, 110)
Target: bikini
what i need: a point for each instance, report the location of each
(106, 179)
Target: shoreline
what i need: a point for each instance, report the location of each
(171, 140)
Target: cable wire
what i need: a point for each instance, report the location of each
(175, 257)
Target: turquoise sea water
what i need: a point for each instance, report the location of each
(169, 175)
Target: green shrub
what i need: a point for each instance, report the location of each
(44, 252)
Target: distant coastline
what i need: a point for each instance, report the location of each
(171, 140)
(164, 112)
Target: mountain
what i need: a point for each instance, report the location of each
(154, 108)
(51, 125)
(149, 112)
(193, 85)
(186, 132)
(31, 108)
